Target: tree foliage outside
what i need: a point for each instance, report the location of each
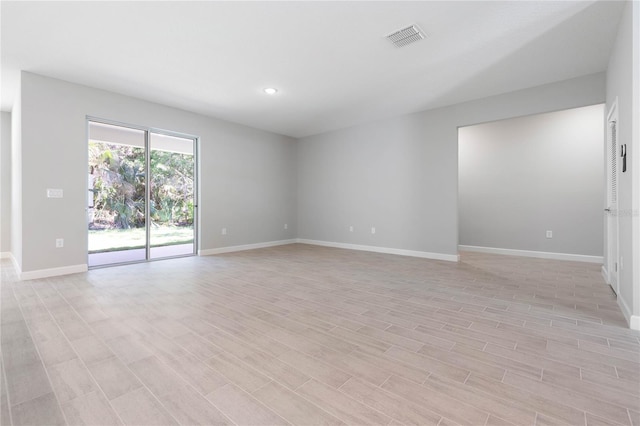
(118, 175)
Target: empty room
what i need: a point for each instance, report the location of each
(301, 213)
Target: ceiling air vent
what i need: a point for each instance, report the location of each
(406, 36)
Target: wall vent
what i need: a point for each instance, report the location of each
(406, 36)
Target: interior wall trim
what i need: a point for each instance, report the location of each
(230, 249)
(634, 322)
(51, 272)
(537, 254)
(605, 274)
(376, 249)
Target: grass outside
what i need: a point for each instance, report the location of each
(105, 240)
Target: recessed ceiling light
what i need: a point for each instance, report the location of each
(270, 91)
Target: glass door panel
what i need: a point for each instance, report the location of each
(116, 200)
(171, 196)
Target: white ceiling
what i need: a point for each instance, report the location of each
(330, 61)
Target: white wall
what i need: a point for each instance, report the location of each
(5, 182)
(247, 176)
(401, 175)
(622, 80)
(520, 177)
(635, 161)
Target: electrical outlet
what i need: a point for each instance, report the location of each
(351, 228)
(549, 234)
(286, 226)
(59, 242)
(373, 229)
(224, 231)
(54, 193)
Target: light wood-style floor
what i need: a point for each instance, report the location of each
(310, 335)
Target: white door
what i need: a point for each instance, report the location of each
(612, 196)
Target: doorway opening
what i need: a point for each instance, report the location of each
(533, 185)
(141, 194)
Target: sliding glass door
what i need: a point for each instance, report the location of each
(171, 196)
(142, 194)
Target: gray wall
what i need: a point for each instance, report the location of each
(5, 182)
(401, 175)
(620, 81)
(16, 181)
(520, 177)
(247, 176)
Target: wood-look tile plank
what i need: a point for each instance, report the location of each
(139, 407)
(90, 409)
(497, 421)
(292, 407)
(91, 350)
(430, 364)
(242, 408)
(56, 350)
(196, 345)
(452, 408)
(534, 360)
(5, 416)
(315, 368)
(158, 377)
(601, 392)
(238, 372)
(43, 410)
(71, 379)
(26, 382)
(18, 353)
(566, 396)
(494, 405)
(114, 378)
(391, 338)
(356, 367)
(128, 348)
(400, 409)
(631, 374)
(340, 405)
(189, 407)
(628, 355)
(498, 361)
(425, 337)
(197, 373)
(277, 370)
(588, 357)
(612, 382)
(527, 399)
(360, 339)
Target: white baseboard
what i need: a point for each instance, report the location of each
(626, 311)
(537, 254)
(5, 255)
(400, 252)
(230, 249)
(634, 322)
(52, 272)
(15, 264)
(605, 274)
